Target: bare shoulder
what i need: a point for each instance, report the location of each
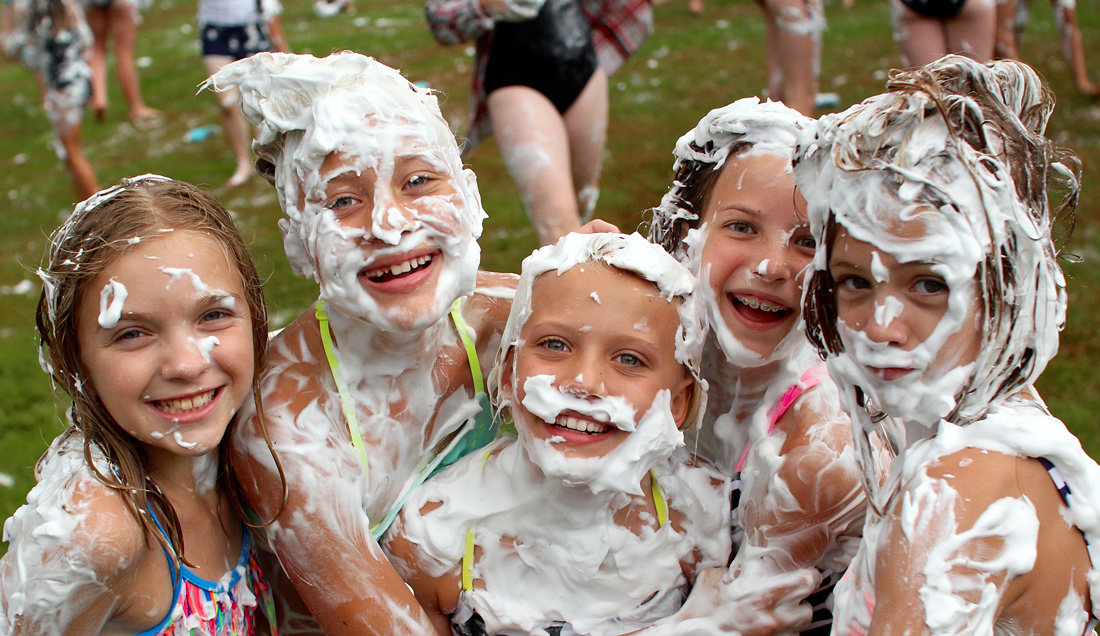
(291, 381)
(816, 418)
(492, 299)
(75, 536)
(981, 477)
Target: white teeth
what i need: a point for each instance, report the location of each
(584, 426)
(185, 404)
(760, 304)
(401, 268)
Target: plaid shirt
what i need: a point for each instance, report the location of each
(619, 28)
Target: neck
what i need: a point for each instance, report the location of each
(389, 353)
(738, 390)
(185, 476)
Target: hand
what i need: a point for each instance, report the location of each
(750, 605)
(512, 10)
(598, 226)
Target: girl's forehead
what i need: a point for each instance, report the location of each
(385, 154)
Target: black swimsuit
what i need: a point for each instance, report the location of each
(552, 53)
(942, 9)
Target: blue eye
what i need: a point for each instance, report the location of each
(418, 181)
(215, 314)
(554, 345)
(129, 335)
(629, 359)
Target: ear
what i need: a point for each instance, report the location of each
(683, 395)
(507, 377)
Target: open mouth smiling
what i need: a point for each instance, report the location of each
(581, 425)
(757, 310)
(179, 406)
(399, 270)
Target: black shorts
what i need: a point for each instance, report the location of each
(237, 42)
(942, 9)
(552, 53)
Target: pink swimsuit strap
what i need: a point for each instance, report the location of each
(811, 378)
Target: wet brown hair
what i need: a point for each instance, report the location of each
(99, 231)
(995, 116)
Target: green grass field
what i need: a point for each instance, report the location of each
(690, 65)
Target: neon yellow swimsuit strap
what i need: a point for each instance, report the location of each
(658, 498)
(468, 562)
(341, 386)
(471, 350)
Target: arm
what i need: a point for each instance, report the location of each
(438, 595)
(12, 37)
(71, 562)
(457, 21)
(804, 500)
(321, 535)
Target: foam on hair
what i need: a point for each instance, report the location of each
(700, 153)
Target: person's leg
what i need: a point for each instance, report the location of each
(586, 128)
(794, 33)
(1074, 49)
(233, 123)
(921, 39)
(972, 30)
(96, 17)
(123, 23)
(76, 163)
(65, 116)
(535, 146)
(1006, 45)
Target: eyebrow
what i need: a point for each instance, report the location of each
(842, 263)
(739, 208)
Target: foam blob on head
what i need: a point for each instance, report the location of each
(745, 125)
(626, 252)
(319, 118)
(957, 150)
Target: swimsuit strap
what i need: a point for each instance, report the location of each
(471, 350)
(342, 387)
(468, 562)
(658, 498)
(466, 438)
(1064, 492)
(811, 378)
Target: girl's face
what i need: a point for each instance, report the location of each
(165, 335)
(391, 238)
(904, 328)
(755, 247)
(595, 353)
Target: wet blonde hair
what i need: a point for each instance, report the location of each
(99, 231)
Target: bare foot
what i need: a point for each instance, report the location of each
(145, 117)
(1088, 89)
(243, 173)
(696, 7)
